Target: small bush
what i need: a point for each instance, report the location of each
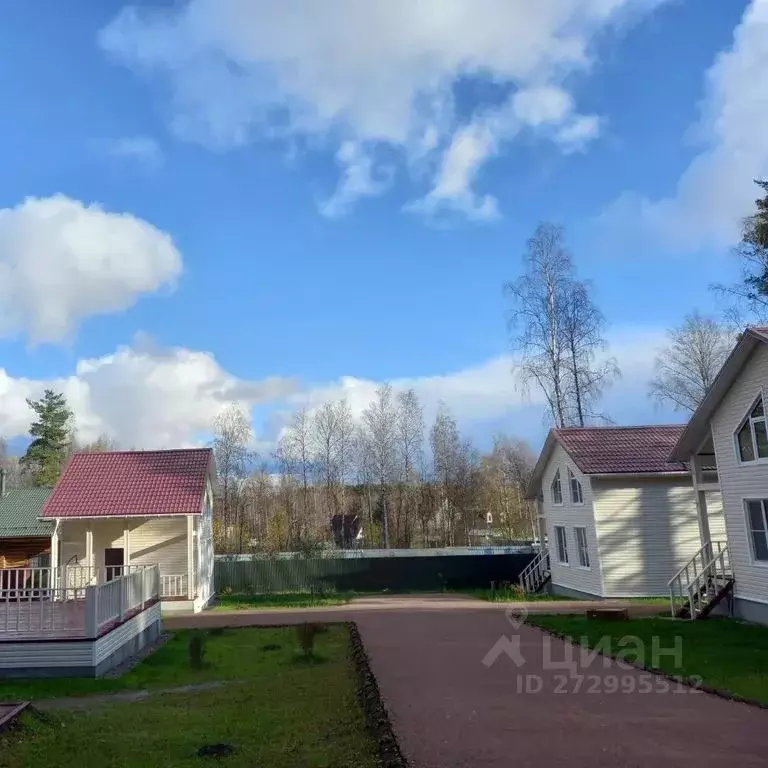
(197, 650)
(306, 634)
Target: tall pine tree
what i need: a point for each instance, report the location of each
(50, 434)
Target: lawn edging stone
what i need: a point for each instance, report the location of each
(687, 681)
(376, 716)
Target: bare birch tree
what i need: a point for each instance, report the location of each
(325, 438)
(296, 449)
(379, 420)
(232, 438)
(538, 299)
(582, 325)
(346, 448)
(689, 363)
(446, 446)
(409, 439)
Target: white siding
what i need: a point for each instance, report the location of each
(716, 516)
(160, 540)
(647, 529)
(738, 481)
(204, 549)
(570, 515)
(113, 641)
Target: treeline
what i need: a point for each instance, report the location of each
(408, 486)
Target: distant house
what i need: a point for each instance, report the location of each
(115, 510)
(619, 517)
(730, 429)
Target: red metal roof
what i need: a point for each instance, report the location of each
(622, 450)
(130, 483)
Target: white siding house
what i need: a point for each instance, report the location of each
(731, 423)
(117, 510)
(625, 516)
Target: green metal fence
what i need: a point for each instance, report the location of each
(367, 573)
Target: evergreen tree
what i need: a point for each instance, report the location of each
(50, 432)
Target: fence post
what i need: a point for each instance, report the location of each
(91, 611)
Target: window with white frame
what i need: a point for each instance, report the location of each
(577, 495)
(562, 545)
(752, 437)
(757, 525)
(557, 489)
(581, 546)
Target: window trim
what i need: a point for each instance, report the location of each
(737, 452)
(557, 477)
(573, 479)
(566, 563)
(748, 529)
(588, 566)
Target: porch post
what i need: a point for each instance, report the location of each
(190, 557)
(55, 555)
(89, 551)
(701, 501)
(126, 546)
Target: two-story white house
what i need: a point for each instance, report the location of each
(620, 518)
(731, 426)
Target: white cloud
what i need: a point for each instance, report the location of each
(716, 191)
(141, 395)
(372, 72)
(146, 396)
(141, 148)
(486, 397)
(358, 180)
(62, 261)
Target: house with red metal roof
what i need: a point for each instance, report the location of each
(730, 430)
(131, 534)
(617, 517)
(119, 510)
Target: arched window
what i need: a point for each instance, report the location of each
(752, 435)
(557, 489)
(577, 495)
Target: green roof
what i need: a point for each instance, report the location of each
(20, 510)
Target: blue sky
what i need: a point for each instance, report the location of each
(279, 203)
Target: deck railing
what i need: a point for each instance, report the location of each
(173, 585)
(70, 601)
(112, 601)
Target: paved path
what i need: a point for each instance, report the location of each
(452, 711)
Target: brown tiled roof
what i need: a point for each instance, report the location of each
(131, 483)
(760, 332)
(622, 450)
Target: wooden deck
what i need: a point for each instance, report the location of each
(42, 620)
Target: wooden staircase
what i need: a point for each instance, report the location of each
(537, 573)
(702, 583)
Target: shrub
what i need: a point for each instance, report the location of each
(197, 650)
(306, 634)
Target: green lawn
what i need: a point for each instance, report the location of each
(509, 596)
(280, 600)
(726, 654)
(276, 709)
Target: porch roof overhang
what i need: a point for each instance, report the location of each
(696, 433)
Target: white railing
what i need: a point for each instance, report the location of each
(70, 601)
(173, 585)
(700, 579)
(536, 573)
(113, 601)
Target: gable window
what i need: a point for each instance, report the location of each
(581, 546)
(562, 545)
(757, 525)
(577, 495)
(557, 489)
(752, 437)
